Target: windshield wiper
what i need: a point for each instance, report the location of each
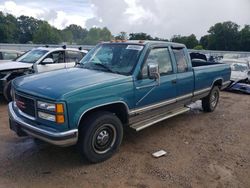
(103, 66)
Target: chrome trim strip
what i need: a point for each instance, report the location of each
(163, 118)
(184, 97)
(201, 91)
(146, 86)
(67, 142)
(115, 102)
(157, 105)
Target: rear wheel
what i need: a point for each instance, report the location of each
(100, 136)
(210, 102)
(7, 91)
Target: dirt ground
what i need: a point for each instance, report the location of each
(203, 150)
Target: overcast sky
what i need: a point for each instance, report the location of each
(162, 18)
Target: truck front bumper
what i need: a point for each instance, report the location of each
(21, 127)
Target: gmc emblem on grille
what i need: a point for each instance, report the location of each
(20, 104)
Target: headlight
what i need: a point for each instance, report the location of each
(46, 106)
(55, 111)
(47, 116)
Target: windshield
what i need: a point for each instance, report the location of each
(32, 56)
(116, 58)
(240, 67)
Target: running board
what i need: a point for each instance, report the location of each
(157, 118)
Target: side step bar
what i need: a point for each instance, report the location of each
(157, 118)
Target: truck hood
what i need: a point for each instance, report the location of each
(55, 84)
(11, 65)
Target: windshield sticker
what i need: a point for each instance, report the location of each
(134, 47)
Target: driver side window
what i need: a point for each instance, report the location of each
(58, 56)
(161, 57)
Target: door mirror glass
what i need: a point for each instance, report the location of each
(47, 61)
(153, 71)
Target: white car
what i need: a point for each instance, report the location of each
(8, 55)
(38, 60)
(240, 69)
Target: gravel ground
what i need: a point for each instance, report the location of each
(203, 150)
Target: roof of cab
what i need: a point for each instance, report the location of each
(147, 42)
(55, 49)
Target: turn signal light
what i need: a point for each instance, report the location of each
(59, 108)
(60, 119)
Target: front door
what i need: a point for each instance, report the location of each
(58, 62)
(147, 91)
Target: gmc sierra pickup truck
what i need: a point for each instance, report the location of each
(117, 84)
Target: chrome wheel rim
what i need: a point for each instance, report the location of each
(104, 138)
(214, 99)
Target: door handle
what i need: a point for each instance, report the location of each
(174, 81)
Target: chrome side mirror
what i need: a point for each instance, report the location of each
(153, 72)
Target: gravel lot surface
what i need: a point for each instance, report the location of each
(203, 150)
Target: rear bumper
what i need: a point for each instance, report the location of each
(21, 127)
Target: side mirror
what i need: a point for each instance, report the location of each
(47, 61)
(153, 72)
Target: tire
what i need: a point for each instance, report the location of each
(7, 91)
(100, 136)
(210, 102)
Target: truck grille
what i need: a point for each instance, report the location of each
(26, 105)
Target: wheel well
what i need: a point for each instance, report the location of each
(119, 109)
(218, 83)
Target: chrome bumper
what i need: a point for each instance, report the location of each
(56, 138)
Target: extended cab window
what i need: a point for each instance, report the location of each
(181, 61)
(161, 57)
(58, 56)
(72, 56)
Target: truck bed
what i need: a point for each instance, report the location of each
(206, 72)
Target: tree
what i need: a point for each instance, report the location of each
(77, 32)
(8, 28)
(28, 26)
(190, 41)
(47, 35)
(224, 36)
(245, 38)
(96, 35)
(139, 36)
(122, 36)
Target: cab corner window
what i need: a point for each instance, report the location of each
(181, 61)
(161, 57)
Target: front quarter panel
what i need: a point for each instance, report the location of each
(99, 96)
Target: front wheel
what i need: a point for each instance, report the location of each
(7, 91)
(210, 102)
(100, 136)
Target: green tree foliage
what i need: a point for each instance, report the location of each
(245, 38)
(224, 36)
(24, 29)
(139, 36)
(47, 35)
(28, 26)
(96, 35)
(8, 28)
(122, 36)
(190, 41)
(74, 34)
(198, 47)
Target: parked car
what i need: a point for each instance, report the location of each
(36, 61)
(117, 84)
(8, 55)
(240, 69)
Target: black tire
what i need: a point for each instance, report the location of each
(100, 136)
(210, 102)
(7, 91)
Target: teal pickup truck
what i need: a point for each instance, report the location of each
(117, 84)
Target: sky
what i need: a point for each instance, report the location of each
(161, 18)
